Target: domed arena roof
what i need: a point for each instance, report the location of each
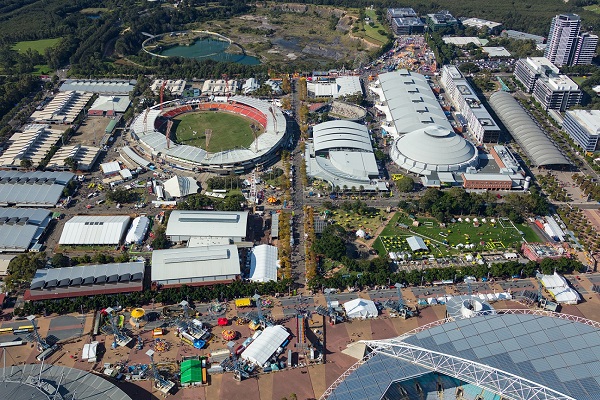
(433, 148)
(512, 354)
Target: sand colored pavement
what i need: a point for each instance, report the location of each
(265, 386)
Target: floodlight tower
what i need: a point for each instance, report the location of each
(161, 383)
(41, 343)
(162, 93)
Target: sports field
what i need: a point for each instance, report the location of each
(229, 131)
(36, 45)
(476, 233)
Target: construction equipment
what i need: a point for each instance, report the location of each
(399, 306)
(168, 134)
(119, 338)
(334, 316)
(162, 93)
(162, 384)
(43, 347)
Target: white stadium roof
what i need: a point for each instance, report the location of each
(434, 148)
(90, 230)
(271, 138)
(341, 135)
(195, 265)
(260, 350)
(263, 263)
(230, 224)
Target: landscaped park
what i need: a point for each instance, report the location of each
(461, 234)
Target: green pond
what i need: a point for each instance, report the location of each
(212, 49)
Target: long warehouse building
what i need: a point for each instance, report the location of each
(90, 230)
(32, 189)
(21, 229)
(540, 150)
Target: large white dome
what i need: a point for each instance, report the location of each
(433, 148)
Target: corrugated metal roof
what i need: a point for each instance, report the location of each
(532, 139)
(88, 274)
(20, 228)
(275, 225)
(32, 188)
(341, 134)
(89, 230)
(132, 155)
(230, 224)
(112, 86)
(195, 262)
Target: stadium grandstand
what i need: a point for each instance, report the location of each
(480, 354)
(347, 111)
(263, 150)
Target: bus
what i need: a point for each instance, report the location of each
(5, 330)
(28, 328)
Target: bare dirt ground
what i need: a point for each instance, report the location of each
(91, 131)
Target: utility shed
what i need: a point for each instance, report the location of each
(263, 347)
(94, 230)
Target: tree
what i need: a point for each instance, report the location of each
(71, 163)
(58, 260)
(160, 238)
(331, 243)
(120, 195)
(26, 163)
(405, 185)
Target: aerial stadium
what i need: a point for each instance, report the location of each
(480, 354)
(234, 135)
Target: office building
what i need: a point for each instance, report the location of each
(586, 49)
(479, 121)
(478, 23)
(528, 70)
(557, 92)
(567, 45)
(583, 126)
(440, 20)
(408, 25)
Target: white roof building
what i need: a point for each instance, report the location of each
(175, 87)
(118, 104)
(263, 263)
(184, 225)
(250, 85)
(180, 186)
(343, 86)
(94, 230)
(559, 288)
(360, 308)
(33, 143)
(21, 228)
(110, 168)
(480, 23)
(138, 230)
(195, 265)
(261, 349)
(416, 243)
(341, 154)
(498, 51)
(464, 40)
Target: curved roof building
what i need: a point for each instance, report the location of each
(540, 150)
(29, 381)
(145, 128)
(341, 154)
(433, 149)
(502, 354)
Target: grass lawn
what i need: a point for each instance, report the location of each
(36, 45)
(228, 130)
(578, 79)
(351, 221)
(593, 8)
(371, 32)
(494, 236)
(42, 70)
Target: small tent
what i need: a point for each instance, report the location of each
(360, 308)
(89, 352)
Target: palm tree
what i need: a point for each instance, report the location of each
(345, 187)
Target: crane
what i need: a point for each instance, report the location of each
(162, 384)
(45, 349)
(119, 338)
(162, 93)
(168, 134)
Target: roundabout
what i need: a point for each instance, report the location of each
(228, 134)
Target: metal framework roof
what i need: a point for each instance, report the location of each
(32, 381)
(516, 354)
(94, 229)
(538, 147)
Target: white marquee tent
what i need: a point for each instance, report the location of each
(263, 263)
(360, 308)
(264, 346)
(138, 230)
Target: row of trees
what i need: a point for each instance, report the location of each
(164, 296)
(443, 205)
(377, 272)
(234, 202)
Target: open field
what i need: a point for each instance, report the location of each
(495, 235)
(371, 33)
(229, 131)
(593, 8)
(288, 32)
(36, 45)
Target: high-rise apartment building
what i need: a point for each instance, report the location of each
(566, 45)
